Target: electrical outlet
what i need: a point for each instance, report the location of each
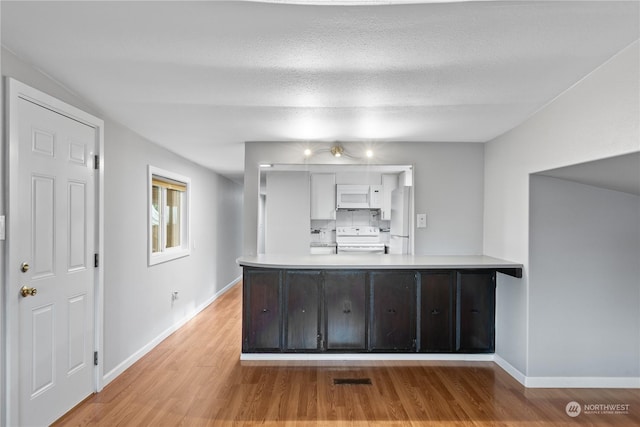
(421, 220)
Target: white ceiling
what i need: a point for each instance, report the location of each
(201, 78)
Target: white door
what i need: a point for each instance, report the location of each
(51, 244)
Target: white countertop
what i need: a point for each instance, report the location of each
(375, 261)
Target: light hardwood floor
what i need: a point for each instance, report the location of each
(195, 378)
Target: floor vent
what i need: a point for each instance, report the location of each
(357, 381)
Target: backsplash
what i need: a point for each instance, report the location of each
(324, 231)
(357, 217)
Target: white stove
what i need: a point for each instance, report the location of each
(363, 239)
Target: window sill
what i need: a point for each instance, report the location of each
(159, 258)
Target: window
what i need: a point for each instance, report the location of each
(168, 216)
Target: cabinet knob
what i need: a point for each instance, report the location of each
(435, 311)
(392, 310)
(265, 310)
(346, 307)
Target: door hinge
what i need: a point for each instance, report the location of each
(96, 162)
(95, 260)
(95, 358)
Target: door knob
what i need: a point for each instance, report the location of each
(26, 291)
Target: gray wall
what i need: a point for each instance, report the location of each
(585, 280)
(137, 305)
(597, 118)
(2, 251)
(448, 180)
(136, 294)
(287, 213)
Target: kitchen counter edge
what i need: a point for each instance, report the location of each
(368, 262)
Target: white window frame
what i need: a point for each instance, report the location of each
(168, 254)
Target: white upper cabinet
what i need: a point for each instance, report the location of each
(389, 183)
(323, 196)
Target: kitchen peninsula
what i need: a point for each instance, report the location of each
(370, 303)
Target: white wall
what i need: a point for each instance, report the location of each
(287, 213)
(2, 244)
(136, 294)
(137, 304)
(448, 181)
(585, 281)
(597, 118)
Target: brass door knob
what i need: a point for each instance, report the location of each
(26, 291)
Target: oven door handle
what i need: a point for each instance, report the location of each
(352, 249)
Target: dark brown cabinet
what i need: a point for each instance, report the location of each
(345, 296)
(302, 301)
(428, 311)
(437, 311)
(392, 314)
(475, 312)
(262, 321)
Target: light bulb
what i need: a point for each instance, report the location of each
(336, 150)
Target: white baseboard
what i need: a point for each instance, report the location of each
(529, 382)
(583, 382)
(364, 357)
(567, 382)
(511, 370)
(127, 363)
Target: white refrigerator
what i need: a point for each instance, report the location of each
(399, 229)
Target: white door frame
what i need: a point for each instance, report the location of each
(15, 90)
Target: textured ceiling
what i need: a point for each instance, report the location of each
(201, 78)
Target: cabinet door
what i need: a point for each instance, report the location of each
(392, 314)
(436, 311)
(261, 328)
(346, 310)
(475, 312)
(323, 196)
(303, 310)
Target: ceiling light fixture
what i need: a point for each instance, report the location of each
(337, 151)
